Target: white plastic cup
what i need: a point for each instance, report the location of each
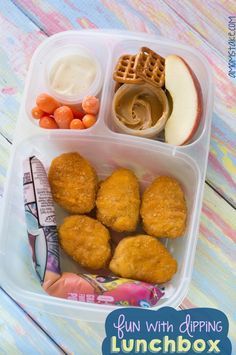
(93, 89)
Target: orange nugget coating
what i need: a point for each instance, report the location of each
(143, 258)
(163, 208)
(118, 201)
(73, 182)
(86, 240)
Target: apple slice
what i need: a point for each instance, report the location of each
(186, 94)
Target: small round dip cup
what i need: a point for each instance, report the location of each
(140, 109)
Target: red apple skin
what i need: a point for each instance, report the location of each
(200, 103)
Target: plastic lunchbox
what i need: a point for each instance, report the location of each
(105, 149)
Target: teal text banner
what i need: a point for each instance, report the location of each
(167, 331)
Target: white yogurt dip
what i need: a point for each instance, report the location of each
(72, 75)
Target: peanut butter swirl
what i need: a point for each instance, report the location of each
(139, 107)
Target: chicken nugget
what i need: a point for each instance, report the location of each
(143, 258)
(163, 208)
(86, 240)
(118, 201)
(73, 182)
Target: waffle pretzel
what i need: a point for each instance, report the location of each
(124, 70)
(150, 66)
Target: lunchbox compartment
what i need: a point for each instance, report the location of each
(159, 46)
(51, 48)
(105, 154)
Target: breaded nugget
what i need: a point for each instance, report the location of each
(86, 240)
(73, 183)
(163, 208)
(143, 258)
(118, 201)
